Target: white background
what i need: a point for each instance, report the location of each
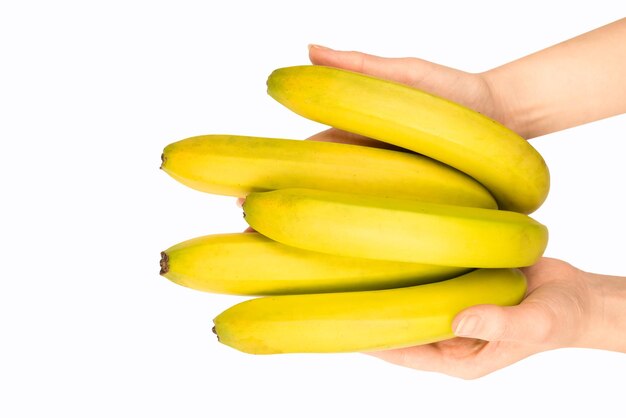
(90, 93)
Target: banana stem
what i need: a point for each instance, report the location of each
(164, 263)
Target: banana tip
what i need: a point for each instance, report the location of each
(163, 159)
(164, 263)
(215, 332)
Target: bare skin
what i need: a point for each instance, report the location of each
(572, 83)
(575, 82)
(564, 307)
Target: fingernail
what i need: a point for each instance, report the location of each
(239, 202)
(467, 326)
(315, 46)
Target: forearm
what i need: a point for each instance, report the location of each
(575, 82)
(607, 326)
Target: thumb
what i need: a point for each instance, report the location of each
(521, 323)
(411, 71)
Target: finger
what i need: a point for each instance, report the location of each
(527, 323)
(344, 137)
(455, 357)
(422, 357)
(412, 71)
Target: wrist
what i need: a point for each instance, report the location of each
(606, 329)
(509, 107)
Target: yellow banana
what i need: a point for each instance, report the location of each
(251, 264)
(363, 321)
(237, 165)
(511, 169)
(396, 229)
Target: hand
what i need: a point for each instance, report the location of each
(473, 90)
(558, 311)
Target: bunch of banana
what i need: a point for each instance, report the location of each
(359, 248)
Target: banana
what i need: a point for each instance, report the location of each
(237, 165)
(511, 169)
(396, 229)
(251, 264)
(363, 321)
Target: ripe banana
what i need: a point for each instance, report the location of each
(251, 264)
(396, 229)
(363, 321)
(237, 165)
(511, 169)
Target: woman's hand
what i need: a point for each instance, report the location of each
(563, 307)
(469, 89)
